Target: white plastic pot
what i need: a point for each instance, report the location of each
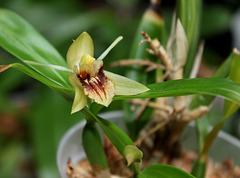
(225, 146)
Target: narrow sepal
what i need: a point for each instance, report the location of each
(80, 100)
(125, 86)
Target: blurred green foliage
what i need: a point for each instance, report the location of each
(28, 147)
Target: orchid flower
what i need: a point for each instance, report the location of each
(90, 80)
(88, 77)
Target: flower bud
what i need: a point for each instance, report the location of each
(132, 154)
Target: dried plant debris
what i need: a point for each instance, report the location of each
(141, 62)
(119, 169)
(82, 170)
(117, 164)
(161, 54)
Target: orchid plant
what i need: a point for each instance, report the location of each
(82, 80)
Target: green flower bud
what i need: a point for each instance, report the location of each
(132, 154)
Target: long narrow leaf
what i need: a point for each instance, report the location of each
(19, 38)
(118, 138)
(199, 169)
(234, 75)
(189, 13)
(229, 109)
(161, 170)
(93, 148)
(222, 71)
(203, 123)
(222, 87)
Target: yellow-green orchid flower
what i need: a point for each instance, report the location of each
(88, 77)
(90, 80)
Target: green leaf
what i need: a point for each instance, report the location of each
(67, 93)
(222, 71)
(189, 13)
(93, 146)
(198, 100)
(229, 108)
(202, 125)
(209, 140)
(199, 169)
(96, 108)
(19, 38)
(118, 138)
(222, 87)
(162, 170)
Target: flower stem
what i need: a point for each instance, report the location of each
(90, 117)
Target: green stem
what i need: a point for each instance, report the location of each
(90, 117)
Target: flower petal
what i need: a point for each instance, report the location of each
(82, 45)
(124, 85)
(80, 100)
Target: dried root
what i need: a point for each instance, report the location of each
(158, 50)
(145, 62)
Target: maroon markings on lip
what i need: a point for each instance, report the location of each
(96, 84)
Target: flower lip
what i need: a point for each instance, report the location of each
(95, 84)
